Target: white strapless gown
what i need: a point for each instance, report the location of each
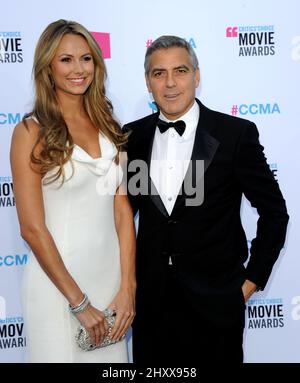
(80, 217)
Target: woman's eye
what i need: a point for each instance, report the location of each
(65, 59)
(87, 58)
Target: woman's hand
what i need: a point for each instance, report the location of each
(95, 323)
(124, 306)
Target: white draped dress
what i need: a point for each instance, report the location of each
(80, 217)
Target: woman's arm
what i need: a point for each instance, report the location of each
(30, 209)
(124, 302)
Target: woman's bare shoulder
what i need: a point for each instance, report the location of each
(28, 129)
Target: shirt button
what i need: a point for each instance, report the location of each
(170, 167)
(170, 198)
(172, 135)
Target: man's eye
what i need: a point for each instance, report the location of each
(181, 70)
(157, 74)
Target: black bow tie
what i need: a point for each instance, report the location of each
(179, 126)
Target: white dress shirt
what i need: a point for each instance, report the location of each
(171, 154)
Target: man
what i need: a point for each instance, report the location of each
(191, 278)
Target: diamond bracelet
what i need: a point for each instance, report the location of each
(81, 306)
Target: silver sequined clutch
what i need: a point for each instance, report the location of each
(83, 339)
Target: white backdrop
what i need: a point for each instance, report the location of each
(249, 54)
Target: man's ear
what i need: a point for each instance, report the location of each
(197, 77)
(148, 83)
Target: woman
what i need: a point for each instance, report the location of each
(63, 155)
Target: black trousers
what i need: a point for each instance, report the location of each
(182, 337)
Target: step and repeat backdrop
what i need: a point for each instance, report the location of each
(249, 55)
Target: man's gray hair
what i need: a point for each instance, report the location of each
(165, 42)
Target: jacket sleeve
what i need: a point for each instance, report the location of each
(261, 189)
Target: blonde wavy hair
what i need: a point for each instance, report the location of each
(56, 142)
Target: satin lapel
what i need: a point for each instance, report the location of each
(205, 147)
(153, 193)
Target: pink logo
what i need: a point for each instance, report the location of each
(231, 32)
(103, 39)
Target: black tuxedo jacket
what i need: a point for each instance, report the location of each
(207, 243)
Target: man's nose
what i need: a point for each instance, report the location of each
(170, 81)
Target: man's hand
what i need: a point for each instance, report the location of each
(248, 289)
